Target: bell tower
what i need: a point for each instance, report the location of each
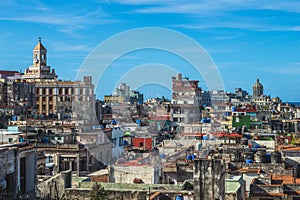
(39, 54)
(39, 71)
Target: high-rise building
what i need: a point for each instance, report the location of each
(186, 100)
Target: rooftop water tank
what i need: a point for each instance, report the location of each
(189, 157)
(193, 157)
(249, 161)
(14, 118)
(205, 137)
(179, 197)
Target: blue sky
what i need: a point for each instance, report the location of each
(245, 39)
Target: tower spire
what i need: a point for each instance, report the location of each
(40, 39)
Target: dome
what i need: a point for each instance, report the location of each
(257, 84)
(258, 89)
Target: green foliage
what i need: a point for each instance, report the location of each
(98, 192)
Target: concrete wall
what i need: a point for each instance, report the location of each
(55, 187)
(209, 179)
(101, 152)
(8, 166)
(126, 174)
(30, 167)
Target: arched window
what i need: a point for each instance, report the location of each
(43, 57)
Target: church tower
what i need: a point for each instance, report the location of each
(258, 89)
(39, 71)
(39, 55)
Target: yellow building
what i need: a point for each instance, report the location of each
(114, 99)
(53, 96)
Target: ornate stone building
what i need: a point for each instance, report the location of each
(39, 71)
(56, 97)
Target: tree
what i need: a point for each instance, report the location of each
(98, 192)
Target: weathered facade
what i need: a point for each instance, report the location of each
(209, 179)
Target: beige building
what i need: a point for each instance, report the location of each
(114, 99)
(53, 96)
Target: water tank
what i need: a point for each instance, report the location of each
(189, 157)
(138, 121)
(276, 157)
(113, 122)
(249, 161)
(193, 157)
(227, 114)
(179, 197)
(163, 156)
(14, 118)
(208, 120)
(233, 108)
(205, 137)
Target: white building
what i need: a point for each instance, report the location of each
(186, 100)
(149, 171)
(117, 135)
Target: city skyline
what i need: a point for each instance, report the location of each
(246, 39)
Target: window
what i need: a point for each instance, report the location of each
(114, 141)
(121, 141)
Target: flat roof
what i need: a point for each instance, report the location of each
(231, 186)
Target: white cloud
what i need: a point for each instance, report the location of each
(206, 14)
(67, 20)
(286, 70)
(63, 47)
(208, 6)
